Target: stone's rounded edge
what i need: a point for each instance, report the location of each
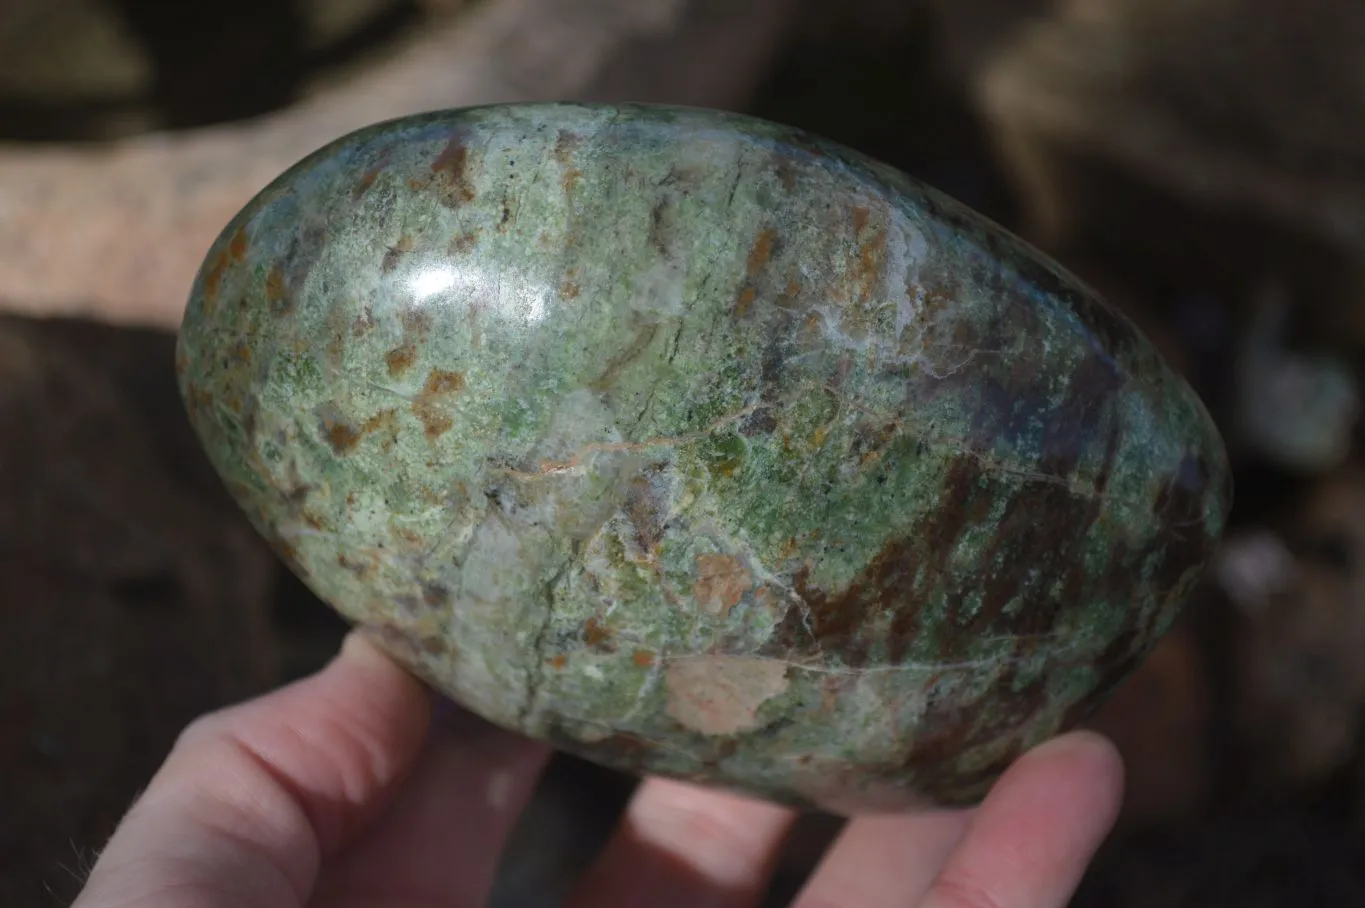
(960, 754)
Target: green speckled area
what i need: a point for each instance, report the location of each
(699, 446)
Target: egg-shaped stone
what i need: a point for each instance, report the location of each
(697, 445)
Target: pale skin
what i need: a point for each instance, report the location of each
(340, 790)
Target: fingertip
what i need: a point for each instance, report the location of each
(356, 645)
(358, 652)
(1089, 760)
(1033, 836)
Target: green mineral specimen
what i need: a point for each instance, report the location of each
(699, 446)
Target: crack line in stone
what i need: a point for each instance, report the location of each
(535, 674)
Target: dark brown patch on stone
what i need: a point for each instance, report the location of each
(645, 509)
(744, 301)
(861, 215)
(566, 143)
(762, 421)
(843, 625)
(441, 381)
(363, 570)
(368, 177)
(644, 658)
(395, 254)
(1034, 563)
(464, 243)
(570, 179)
(344, 437)
(434, 422)
(569, 290)
(449, 176)
(761, 252)
(784, 168)
(416, 322)
(949, 730)
(286, 278)
(722, 580)
(364, 323)
(776, 351)
(1033, 548)
(213, 281)
(598, 636)
(867, 268)
(232, 254)
(435, 594)
(297, 496)
(881, 608)
(1073, 426)
(870, 438)
(400, 359)
(237, 248)
(337, 331)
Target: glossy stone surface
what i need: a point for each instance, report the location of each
(699, 446)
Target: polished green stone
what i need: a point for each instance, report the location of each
(700, 446)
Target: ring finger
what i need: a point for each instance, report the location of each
(687, 846)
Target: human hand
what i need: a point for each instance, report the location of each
(339, 791)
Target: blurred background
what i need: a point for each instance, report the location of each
(1201, 162)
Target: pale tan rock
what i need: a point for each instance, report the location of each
(117, 232)
(1242, 105)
